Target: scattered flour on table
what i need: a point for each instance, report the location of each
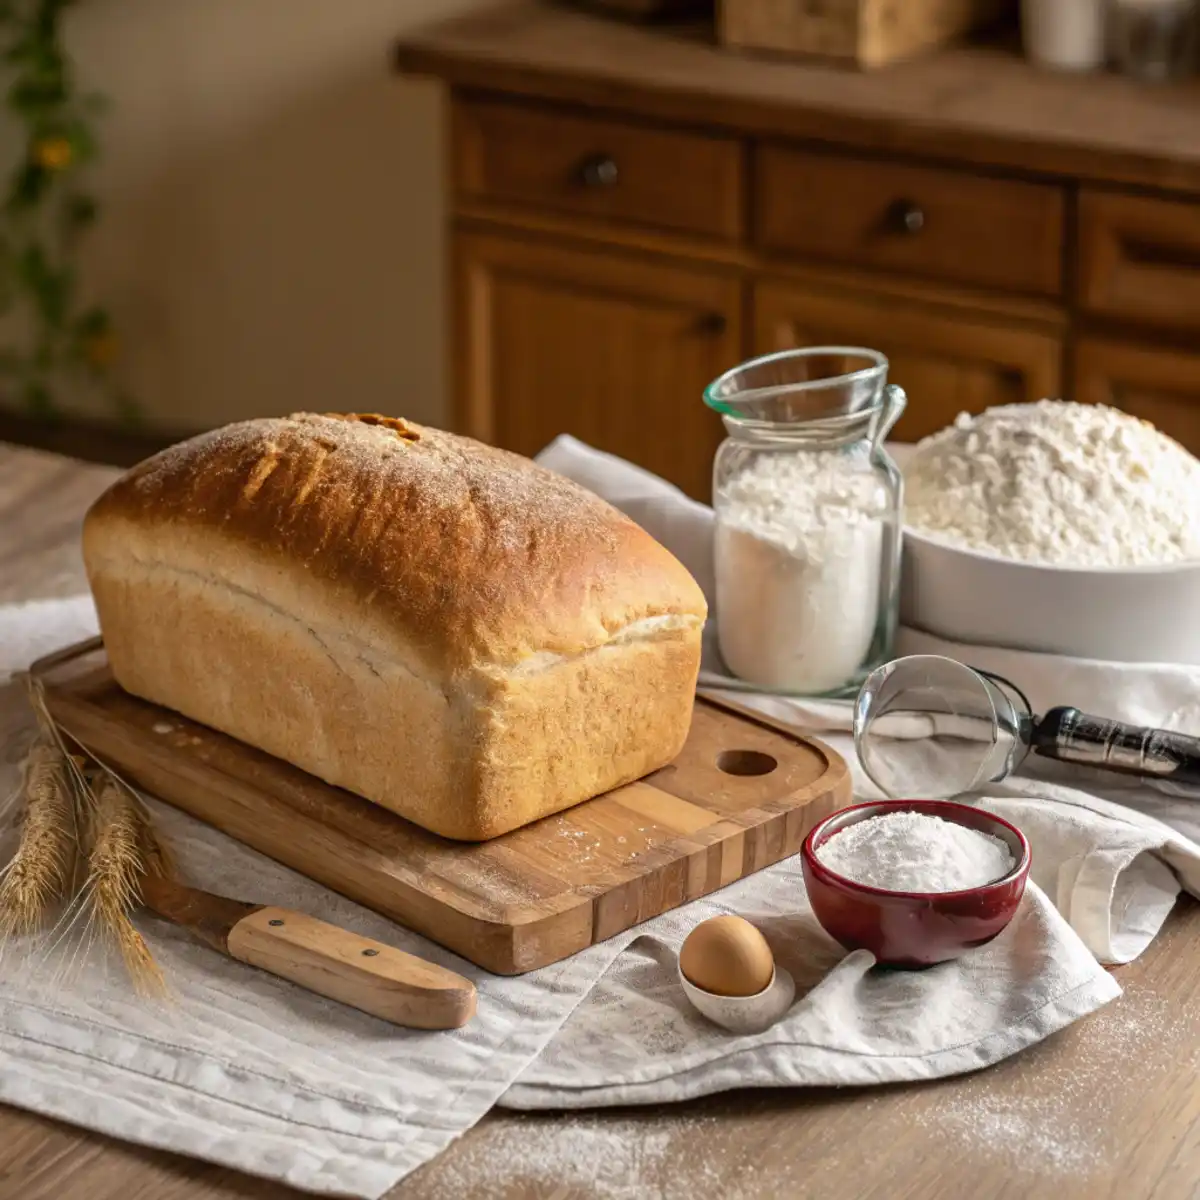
(1062, 1118)
(604, 1157)
(912, 852)
(798, 552)
(1069, 484)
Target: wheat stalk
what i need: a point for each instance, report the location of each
(100, 825)
(40, 870)
(123, 847)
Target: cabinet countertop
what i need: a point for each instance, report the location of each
(977, 104)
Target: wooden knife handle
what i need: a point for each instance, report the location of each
(368, 975)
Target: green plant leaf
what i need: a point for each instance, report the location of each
(79, 211)
(21, 51)
(82, 139)
(38, 400)
(45, 20)
(31, 265)
(50, 287)
(92, 322)
(29, 185)
(39, 94)
(42, 210)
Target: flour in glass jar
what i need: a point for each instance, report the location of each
(912, 852)
(799, 552)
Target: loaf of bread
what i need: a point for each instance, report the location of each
(444, 628)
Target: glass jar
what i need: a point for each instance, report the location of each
(1155, 40)
(808, 519)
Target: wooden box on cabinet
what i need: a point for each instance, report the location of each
(866, 33)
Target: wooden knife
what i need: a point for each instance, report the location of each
(333, 962)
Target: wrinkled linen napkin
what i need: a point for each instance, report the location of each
(248, 1071)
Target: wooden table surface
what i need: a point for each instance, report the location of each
(1107, 1108)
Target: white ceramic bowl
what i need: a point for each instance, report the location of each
(1142, 614)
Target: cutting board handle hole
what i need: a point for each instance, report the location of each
(746, 762)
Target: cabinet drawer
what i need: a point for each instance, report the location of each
(1159, 385)
(597, 167)
(1139, 258)
(923, 221)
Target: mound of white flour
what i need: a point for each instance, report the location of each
(1054, 482)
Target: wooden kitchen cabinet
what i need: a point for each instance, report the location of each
(947, 361)
(1139, 259)
(618, 171)
(1160, 385)
(607, 346)
(918, 221)
(635, 209)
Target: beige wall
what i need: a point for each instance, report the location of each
(272, 235)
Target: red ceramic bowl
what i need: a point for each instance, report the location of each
(913, 929)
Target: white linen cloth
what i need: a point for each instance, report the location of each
(246, 1070)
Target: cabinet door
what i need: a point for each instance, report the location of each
(607, 346)
(948, 361)
(1160, 386)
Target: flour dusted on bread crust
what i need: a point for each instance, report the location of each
(445, 628)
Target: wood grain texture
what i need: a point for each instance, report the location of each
(1160, 385)
(1139, 258)
(574, 313)
(865, 33)
(323, 958)
(208, 917)
(997, 233)
(554, 338)
(947, 361)
(658, 248)
(43, 500)
(1105, 1110)
(518, 902)
(366, 974)
(979, 105)
(668, 178)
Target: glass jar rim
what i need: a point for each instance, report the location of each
(729, 407)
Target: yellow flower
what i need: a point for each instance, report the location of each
(53, 153)
(100, 349)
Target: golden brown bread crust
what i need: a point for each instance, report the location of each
(443, 628)
(478, 555)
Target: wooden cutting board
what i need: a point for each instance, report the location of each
(742, 795)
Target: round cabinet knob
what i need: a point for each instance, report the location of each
(909, 216)
(712, 324)
(599, 172)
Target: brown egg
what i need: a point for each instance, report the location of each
(727, 956)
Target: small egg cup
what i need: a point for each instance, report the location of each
(744, 1014)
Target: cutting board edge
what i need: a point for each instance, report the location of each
(75, 716)
(497, 941)
(838, 795)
